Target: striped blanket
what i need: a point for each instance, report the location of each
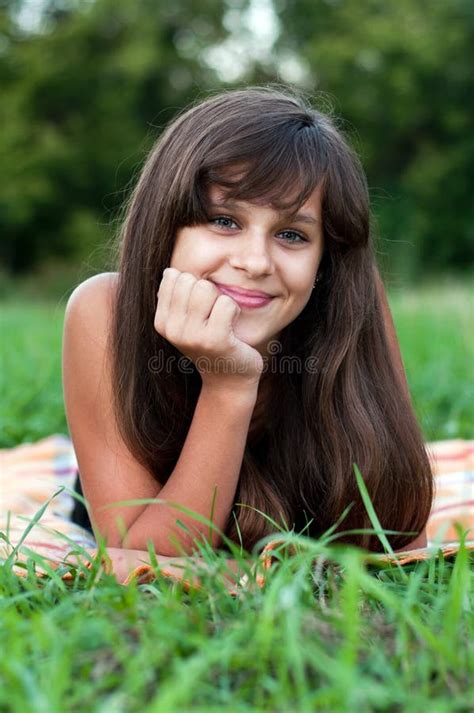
(31, 474)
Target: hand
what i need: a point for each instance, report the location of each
(123, 564)
(199, 321)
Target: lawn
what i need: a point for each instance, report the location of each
(327, 633)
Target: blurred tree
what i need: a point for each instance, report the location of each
(400, 73)
(87, 90)
(82, 99)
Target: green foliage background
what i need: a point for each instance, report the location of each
(86, 92)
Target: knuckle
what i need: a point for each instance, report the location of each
(186, 277)
(204, 285)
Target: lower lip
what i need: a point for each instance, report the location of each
(247, 302)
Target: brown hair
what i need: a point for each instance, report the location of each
(353, 408)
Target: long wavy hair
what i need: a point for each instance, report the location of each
(271, 144)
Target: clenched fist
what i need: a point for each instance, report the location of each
(198, 320)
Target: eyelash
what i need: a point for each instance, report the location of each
(290, 242)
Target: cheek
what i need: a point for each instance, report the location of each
(303, 273)
(177, 249)
(184, 252)
(177, 261)
(301, 280)
(192, 252)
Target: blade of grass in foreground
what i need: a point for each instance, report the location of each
(459, 589)
(37, 516)
(373, 517)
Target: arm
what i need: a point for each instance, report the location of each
(211, 456)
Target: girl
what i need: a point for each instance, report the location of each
(243, 358)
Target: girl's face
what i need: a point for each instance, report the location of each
(255, 247)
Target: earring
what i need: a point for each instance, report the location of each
(317, 279)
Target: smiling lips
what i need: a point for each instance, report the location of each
(245, 298)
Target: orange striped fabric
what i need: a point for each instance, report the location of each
(32, 473)
(453, 466)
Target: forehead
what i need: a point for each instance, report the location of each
(219, 195)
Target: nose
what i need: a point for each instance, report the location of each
(253, 254)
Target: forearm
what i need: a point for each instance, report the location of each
(210, 460)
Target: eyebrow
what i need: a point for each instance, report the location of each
(284, 215)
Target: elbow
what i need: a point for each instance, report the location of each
(420, 542)
(109, 535)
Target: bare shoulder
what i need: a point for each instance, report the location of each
(95, 293)
(89, 307)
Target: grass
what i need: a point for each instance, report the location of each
(335, 636)
(435, 327)
(328, 632)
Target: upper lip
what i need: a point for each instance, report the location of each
(242, 291)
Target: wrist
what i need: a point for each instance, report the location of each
(242, 392)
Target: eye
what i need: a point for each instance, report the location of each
(300, 238)
(223, 221)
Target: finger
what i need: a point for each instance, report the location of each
(203, 296)
(181, 294)
(224, 313)
(165, 291)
